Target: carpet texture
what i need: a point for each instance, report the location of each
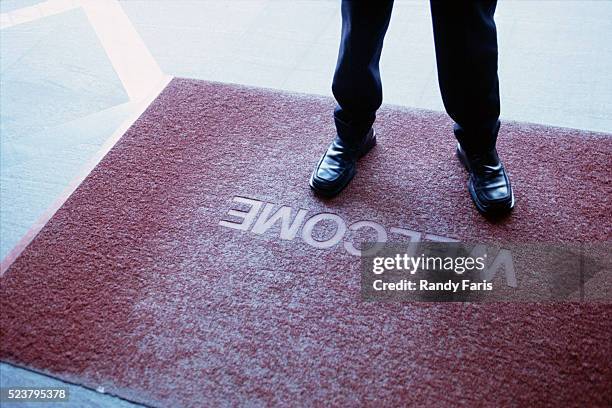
(143, 284)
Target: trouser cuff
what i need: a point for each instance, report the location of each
(477, 139)
(352, 128)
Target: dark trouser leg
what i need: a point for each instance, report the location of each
(357, 86)
(466, 52)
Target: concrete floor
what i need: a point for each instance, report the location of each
(554, 55)
(66, 87)
(11, 376)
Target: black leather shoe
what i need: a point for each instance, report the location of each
(338, 165)
(489, 184)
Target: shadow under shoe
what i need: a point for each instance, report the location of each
(338, 165)
(489, 184)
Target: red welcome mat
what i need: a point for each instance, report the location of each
(190, 268)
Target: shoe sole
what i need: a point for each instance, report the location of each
(503, 208)
(332, 193)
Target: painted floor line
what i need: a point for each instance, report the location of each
(74, 184)
(129, 55)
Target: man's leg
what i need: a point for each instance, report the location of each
(357, 86)
(358, 91)
(466, 51)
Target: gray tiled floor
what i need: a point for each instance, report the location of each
(554, 55)
(10, 5)
(57, 108)
(78, 397)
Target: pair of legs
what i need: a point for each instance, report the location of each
(466, 51)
